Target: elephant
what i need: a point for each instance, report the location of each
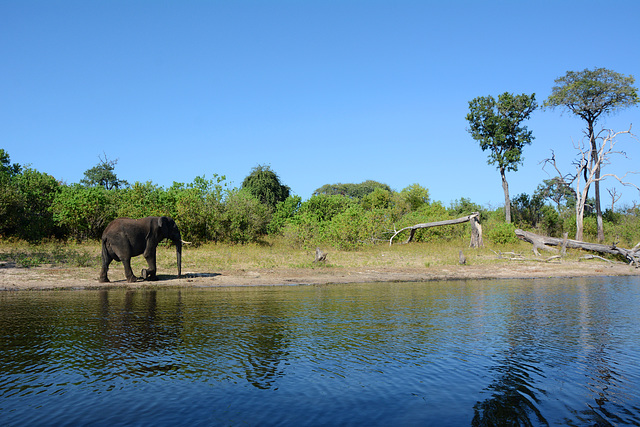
(125, 238)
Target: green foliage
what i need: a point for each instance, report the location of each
(353, 191)
(264, 184)
(557, 191)
(323, 207)
(34, 206)
(379, 198)
(591, 93)
(551, 224)
(502, 234)
(526, 212)
(303, 230)
(83, 211)
(245, 218)
(285, 211)
(356, 227)
(431, 213)
(415, 196)
(199, 208)
(465, 206)
(34, 192)
(6, 168)
(144, 199)
(103, 175)
(496, 125)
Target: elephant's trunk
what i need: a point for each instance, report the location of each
(179, 256)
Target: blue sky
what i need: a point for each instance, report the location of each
(322, 91)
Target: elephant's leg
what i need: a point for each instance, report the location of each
(127, 270)
(105, 267)
(106, 260)
(150, 273)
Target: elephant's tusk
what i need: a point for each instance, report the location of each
(185, 243)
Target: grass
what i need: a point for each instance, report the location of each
(24, 255)
(271, 255)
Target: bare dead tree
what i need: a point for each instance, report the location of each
(474, 219)
(587, 164)
(613, 192)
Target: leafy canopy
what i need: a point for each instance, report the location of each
(591, 93)
(264, 184)
(103, 175)
(354, 191)
(496, 125)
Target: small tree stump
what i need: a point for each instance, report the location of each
(320, 256)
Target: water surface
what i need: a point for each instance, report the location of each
(506, 352)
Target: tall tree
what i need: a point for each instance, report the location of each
(497, 126)
(590, 94)
(103, 175)
(264, 184)
(6, 168)
(586, 167)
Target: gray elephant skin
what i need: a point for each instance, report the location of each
(125, 238)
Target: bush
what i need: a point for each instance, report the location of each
(431, 213)
(83, 212)
(34, 219)
(502, 234)
(551, 223)
(284, 212)
(324, 207)
(356, 227)
(244, 219)
(302, 231)
(145, 199)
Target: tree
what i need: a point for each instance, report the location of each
(590, 94)
(6, 168)
(354, 191)
(103, 175)
(83, 211)
(558, 191)
(496, 125)
(264, 184)
(586, 168)
(416, 196)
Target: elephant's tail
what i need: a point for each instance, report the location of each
(106, 256)
(105, 253)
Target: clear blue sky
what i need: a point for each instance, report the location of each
(322, 91)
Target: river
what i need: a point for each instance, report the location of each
(475, 352)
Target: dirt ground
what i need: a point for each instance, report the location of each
(47, 278)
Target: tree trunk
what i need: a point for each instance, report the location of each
(594, 159)
(541, 242)
(476, 229)
(507, 201)
(579, 220)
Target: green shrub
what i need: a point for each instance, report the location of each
(303, 231)
(502, 234)
(324, 207)
(285, 210)
(83, 211)
(356, 227)
(245, 218)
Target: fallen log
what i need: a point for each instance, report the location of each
(544, 242)
(476, 228)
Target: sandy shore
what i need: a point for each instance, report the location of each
(46, 278)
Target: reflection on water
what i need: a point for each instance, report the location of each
(527, 352)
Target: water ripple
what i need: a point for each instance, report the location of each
(442, 353)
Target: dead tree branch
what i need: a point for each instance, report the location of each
(543, 242)
(476, 229)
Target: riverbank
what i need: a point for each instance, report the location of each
(213, 266)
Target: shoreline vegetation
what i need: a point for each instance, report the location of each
(54, 266)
